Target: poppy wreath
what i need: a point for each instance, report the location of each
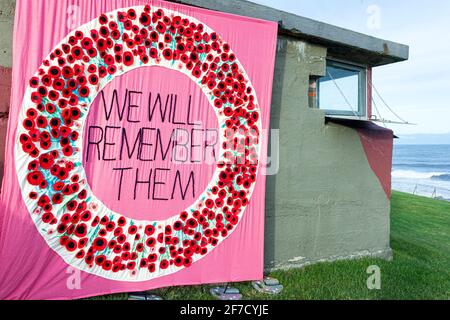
(73, 222)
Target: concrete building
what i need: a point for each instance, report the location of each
(331, 196)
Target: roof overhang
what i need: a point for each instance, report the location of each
(341, 43)
(357, 124)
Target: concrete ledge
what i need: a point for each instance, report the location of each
(302, 262)
(339, 41)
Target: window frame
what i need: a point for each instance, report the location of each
(362, 109)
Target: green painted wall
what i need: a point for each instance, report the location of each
(325, 202)
(6, 29)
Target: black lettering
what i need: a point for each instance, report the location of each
(158, 101)
(131, 106)
(91, 142)
(121, 179)
(158, 183)
(189, 122)
(211, 145)
(108, 144)
(125, 143)
(145, 144)
(183, 193)
(175, 112)
(147, 182)
(115, 99)
(160, 144)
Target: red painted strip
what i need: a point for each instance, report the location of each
(378, 145)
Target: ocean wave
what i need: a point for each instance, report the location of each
(441, 177)
(439, 166)
(410, 174)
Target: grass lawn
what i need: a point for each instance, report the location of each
(420, 238)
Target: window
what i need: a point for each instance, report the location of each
(342, 91)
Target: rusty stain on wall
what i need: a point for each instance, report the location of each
(5, 93)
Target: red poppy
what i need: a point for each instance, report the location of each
(126, 246)
(218, 103)
(84, 91)
(145, 19)
(104, 32)
(54, 72)
(164, 264)
(187, 262)
(196, 72)
(87, 43)
(153, 53)
(35, 178)
(151, 267)
(100, 259)
(86, 216)
(112, 69)
(149, 230)
(122, 221)
(115, 34)
(78, 34)
(77, 52)
(209, 203)
(92, 52)
(34, 82)
(192, 223)
(33, 195)
(103, 19)
(150, 242)
(132, 229)
(109, 59)
(46, 161)
(131, 14)
(93, 79)
(110, 226)
(71, 245)
(107, 265)
(81, 230)
(178, 225)
(128, 59)
(99, 244)
(36, 97)
(122, 238)
(128, 25)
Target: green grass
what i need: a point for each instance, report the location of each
(420, 238)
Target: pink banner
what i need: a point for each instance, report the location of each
(135, 148)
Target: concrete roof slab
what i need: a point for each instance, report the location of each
(341, 43)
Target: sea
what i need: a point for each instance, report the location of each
(422, 170)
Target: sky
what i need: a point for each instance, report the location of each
(418, 90)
